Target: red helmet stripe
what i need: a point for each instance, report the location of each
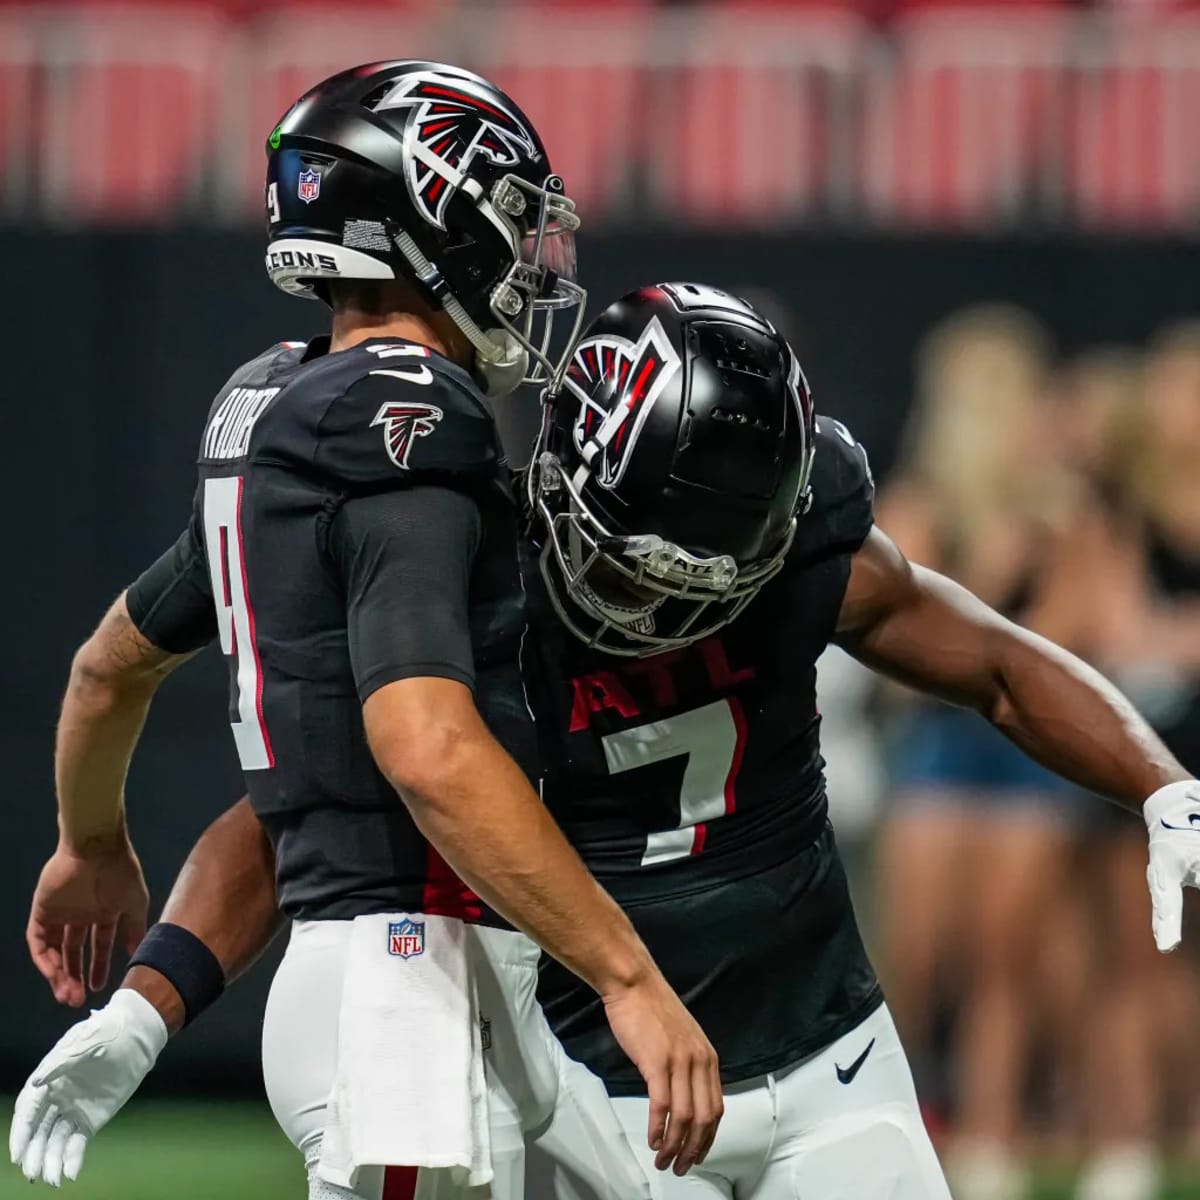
(639, 388)
(430, 89)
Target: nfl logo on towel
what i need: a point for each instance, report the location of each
(309, 186)
(406, 938)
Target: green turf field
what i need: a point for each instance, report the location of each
(176, 1151)
(195, 1151)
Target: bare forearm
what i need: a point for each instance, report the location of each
(475, 805)
(225, 895)
(491, 827)
(225, 892)
(113, 679)
(97, 732)
(1069, 718)
(928, 632)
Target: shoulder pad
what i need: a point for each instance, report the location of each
(843, 495)
(405, 412)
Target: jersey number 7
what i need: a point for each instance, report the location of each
(713, 739)
(235, 618)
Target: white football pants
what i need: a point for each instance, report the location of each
(530, 1078)
(803, 1134)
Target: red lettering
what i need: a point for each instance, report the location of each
(720, 674)
(600, 690)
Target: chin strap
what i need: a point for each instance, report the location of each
(505, 374)
(500, 359)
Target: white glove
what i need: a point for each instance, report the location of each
(82, 1084)
(1173, 819)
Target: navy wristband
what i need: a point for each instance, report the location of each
(182, 958)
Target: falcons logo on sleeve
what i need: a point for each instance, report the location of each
(402, 425)
(448, 125)
(617, 382)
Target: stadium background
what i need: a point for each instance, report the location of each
(861, 169)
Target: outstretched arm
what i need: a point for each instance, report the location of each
(924, 630)
(928, 632)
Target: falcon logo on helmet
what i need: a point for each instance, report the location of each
(448, 126)
(427, 173)
(402, 425)
(633, 374)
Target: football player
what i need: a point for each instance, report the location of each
(698, 538)
(701, 538)
(353, 549)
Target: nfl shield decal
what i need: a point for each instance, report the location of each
(308, 186)
(406, 938)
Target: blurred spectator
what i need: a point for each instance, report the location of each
(1146, 631)
(974, 852)
(1100, 418)
(1150, 624)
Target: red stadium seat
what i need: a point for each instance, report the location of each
(282, 57)
(958, 132)
(383, 9)
(998, 8)
(1132, 157)
(740, 126)
(568, 65)
(237, 9)
(129, 110)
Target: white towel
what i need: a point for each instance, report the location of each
(409, 1087)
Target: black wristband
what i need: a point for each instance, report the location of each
(182, 958)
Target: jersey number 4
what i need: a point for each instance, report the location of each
(235, 618)
(713, 738)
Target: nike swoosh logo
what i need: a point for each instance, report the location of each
(847, 1074)
(421, 374)
(1193, 825)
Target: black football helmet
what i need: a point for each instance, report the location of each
(670, 468)
(426, 172)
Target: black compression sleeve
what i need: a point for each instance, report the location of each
(171, 601)
(405, 558)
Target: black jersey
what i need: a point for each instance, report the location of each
(692, 784)
(352, 526)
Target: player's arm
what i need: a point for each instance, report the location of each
(93, 885)
(113, 678)
(406, 559)
(924, 630)
(220, 916)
